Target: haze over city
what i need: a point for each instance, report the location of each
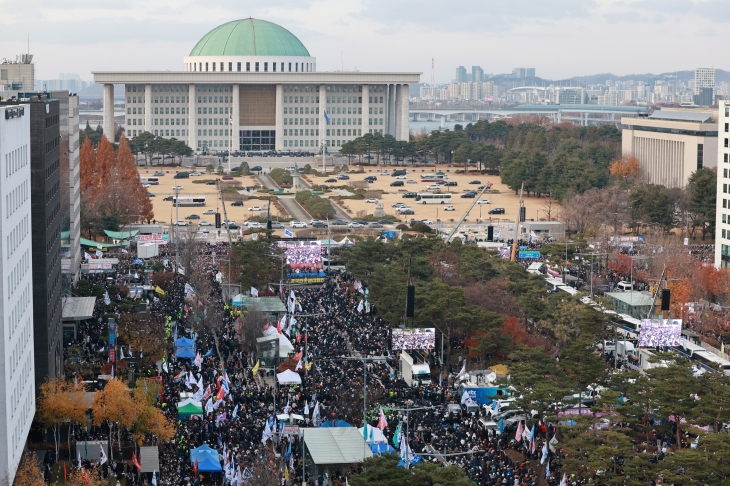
(561, 39)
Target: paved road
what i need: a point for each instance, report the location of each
(292, 206)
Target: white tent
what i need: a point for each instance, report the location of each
(378, 435)
(285, 346)
(289, 377)
(187, 401)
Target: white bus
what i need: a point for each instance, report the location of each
(433, 177)
(433, 198)
(188, 201)
(149, 180)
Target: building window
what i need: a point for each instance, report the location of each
(206, 67)
(289, 67)
(230, 66)
(700, 150)
(266, 67)
(239, 67)
(282, 67)
(273, 66)
(257, 70)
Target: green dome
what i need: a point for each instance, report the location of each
(249, 37)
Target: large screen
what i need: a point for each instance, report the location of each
(303, 255)
(660, 332)
(419, 338)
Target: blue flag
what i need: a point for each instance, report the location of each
(288, 234)
(247, 474)
(209, 353)
(235, 413)
(326, 118)
(288, 453)
(501, 426)
(138, 261)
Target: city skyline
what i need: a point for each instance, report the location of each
(525, 32)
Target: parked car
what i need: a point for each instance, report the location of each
(178, 188)
(181, 223)
(149, 194)
(409, 195)
(398, 204)
(405, 211)
(276, 225)
(401, 177)
(450, 183)
(411, 181)
(433, 187)
(484, 201)
(237, 203)
(376, 225)
(343, 177)
(449, 208)
(168, 198)
(205, 223)
(256, 168)
(470, 194)
(319, 224)
(182, 175)
(256, 208)
(146, 186)
(371, 179)
(355, 224)
(385, 221)
(298, 224)
(192, 216)
(475, 182)
(384, 173)
(338, 222)
(159, 174)
(331, 180)
(496, 211)
(227, 178)
(373, 200)
(253, 224)
(195, 174)
(234, 226)
(209, 211)
(396, 184)
(210, 183)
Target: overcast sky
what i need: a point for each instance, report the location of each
(560, 38)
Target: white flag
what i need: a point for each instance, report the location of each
(102, 458)
(463, 370)
(299, 366)
(107, 300)
(154, 478)
(209, 405)
(544, 453)
(360, 306)
(306, 410)
(254, 292)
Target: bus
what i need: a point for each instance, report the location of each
(149, 180)
(433, 177)
(433, 198)
(188, 201)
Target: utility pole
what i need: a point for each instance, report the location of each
(177, 228)
(228, 231)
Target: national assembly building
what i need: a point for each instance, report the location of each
(252, 85)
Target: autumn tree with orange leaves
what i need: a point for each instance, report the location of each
(111, 191)
(627, 168)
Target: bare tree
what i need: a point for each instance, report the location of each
(550, 209)
(250, 326)
(188, 248)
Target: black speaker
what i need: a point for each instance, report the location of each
(217, 220)
(268, 225)
(410, 301)
(523, 214)
(490, 233)
(665, 299)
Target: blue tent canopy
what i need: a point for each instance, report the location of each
(208, 460)
(185, 352)
(381, 448)
(339, 423)
(183, 341)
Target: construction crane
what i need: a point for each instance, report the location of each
(488, 185)
(513, 256)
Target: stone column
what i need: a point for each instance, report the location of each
(365, 108)
(279, 117)
(390, 125)
(398, 112)
(405, 129)
(148, 108)
(237, 118)
(108, 121)
(322, 122)
(192, 118)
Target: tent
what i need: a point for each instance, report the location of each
(238, 299)
(285, 346)
(339, 423)
(208, 459)
(184, 342)
(378, 435)
(288, 377)
(185, 348)
(189, 408)
(381, 448)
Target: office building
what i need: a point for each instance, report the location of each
(722, 213)
(671, 144)
(48, 215)
(705, 97)
(570, 96)
(705, 78)
(477, 74)
(17, 407)
(252, 85)
(461, 76)
(18, 74)
(523, 73)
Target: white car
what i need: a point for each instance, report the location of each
(398, 205)
(426, 221)
(209, 211)
(178, 188)
(484, 201)
(383, 172)
(253, 224)
(433, 187)
(181, 223)
(401, 177)
(315, 221)
(195, 173)
(255, 208)
(449, 208)
(411, 181)
(146, 186)
(372, 200)
(355, 225)
(205, 223)
(298, 224)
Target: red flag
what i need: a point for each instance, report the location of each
(85, 477)
(221, 394)
(195, 467)
(298, 355)
(278, 326)
(299, 337)
(136, 462)
(65, 476)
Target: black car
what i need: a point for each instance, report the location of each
(237, 203)
(399, 172)
(471, 195)
(376, 225)
(360, 221)
(149, 194)
(232, 226)
(475, 182)
(496, 211)
(256, 168)
(210, 183)
(406, 211)
(320, 224)
(343, 177)
(396, 184)
(338, 222)
(385, 221)
(450, 184)
(168, 198)
(410, 195)
(331, 180)
(371, 179)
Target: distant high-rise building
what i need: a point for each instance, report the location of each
(18, 74)
(705, 97)
(16, 287)
(461, 75)
(529, 72)
(523, 72)
(705, 78)
(477, 74)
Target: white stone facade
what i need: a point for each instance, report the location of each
(17, 369)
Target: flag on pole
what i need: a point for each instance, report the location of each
(254, 292)
(136, 462)
(396, 436)
(154, 478)
(564, 481)
(102, 458)
(518, 435)
(255, 368)
(463, 370)
(235, 413)
(382, 422)
(544, 453)
(326, 118)
(306, 410)
(288, 233)
(78, 458)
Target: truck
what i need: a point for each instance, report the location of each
(484, 395)
(414, 370)
(149, 250)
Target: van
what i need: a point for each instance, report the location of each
(625, 286)
(182, 175)
(396, 173)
